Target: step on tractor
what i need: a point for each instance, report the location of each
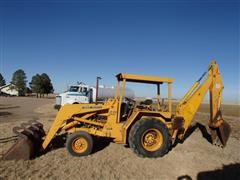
(148, 128)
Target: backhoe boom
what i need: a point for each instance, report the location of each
(190, 103)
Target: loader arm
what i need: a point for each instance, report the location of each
(65, 113)
(190, 103)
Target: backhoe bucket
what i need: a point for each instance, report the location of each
(220, 132)
(28, 145)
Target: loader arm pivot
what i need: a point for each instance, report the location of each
(190, 103)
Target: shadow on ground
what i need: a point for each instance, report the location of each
(9, 107)
(60, 140)
(100, 143)
(231, 171)
(189, 132)
(5, 113)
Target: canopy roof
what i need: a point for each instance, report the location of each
(144, 79)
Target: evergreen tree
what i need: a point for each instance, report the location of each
(36, 84)
(19, 80)
(46, 83)
(41, 84)
(2, 80)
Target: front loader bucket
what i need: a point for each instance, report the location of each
(220, 132)
(28, 145)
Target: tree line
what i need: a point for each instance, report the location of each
(40, 84)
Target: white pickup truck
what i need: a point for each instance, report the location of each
(82, 93)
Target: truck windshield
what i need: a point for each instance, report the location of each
(73, 89)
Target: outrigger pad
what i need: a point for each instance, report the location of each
(30, 138)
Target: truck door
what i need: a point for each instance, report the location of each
(90, 95)
(82, 98)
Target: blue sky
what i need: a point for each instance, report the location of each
(79, 40)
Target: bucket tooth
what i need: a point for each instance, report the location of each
(18, 131)
(35, 127)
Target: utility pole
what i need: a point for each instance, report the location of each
(97, 86)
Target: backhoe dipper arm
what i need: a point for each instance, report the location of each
(190, 103)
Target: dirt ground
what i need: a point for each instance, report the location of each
(195, 158)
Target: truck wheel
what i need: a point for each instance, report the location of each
(79, 144)
(149, 138)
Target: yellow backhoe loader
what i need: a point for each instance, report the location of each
(149, 130)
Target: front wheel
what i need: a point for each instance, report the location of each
(79, 144)
(149, 138)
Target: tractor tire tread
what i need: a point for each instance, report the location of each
(72, 136)
(134, 133)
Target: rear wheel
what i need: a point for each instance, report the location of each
(149, 138)
(79, 144)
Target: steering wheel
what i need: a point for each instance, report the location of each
(131, 101)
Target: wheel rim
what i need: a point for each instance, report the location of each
(79, 145)
(152, 139)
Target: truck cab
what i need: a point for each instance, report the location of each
(85, 94)
(76, 94)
